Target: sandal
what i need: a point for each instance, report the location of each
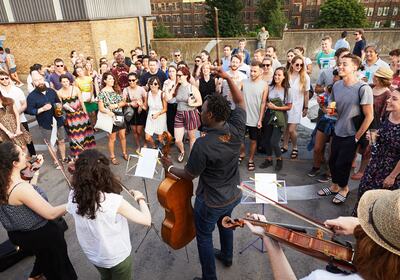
(340, 199)
(294, 154)
(326, 192)
(181, 157)
(251, 166)
(283, 150)
(125, 157)
(241, 158)
(114, 161)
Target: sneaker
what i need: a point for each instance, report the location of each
(267, 163)
(278, 165)
(324, 178)
(313, 172)
(219, 256)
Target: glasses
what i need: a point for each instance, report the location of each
(114, 66)
(60, 65)
(177, 55)
(299, 65)
(134, 80)
(266, 65)
(355, 34)
(154, 84)
(179, 75)
(5, 78)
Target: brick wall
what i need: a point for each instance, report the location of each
(43, 42)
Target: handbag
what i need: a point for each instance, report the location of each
(61, 223)
(119, 119)
(128, 110)
(10, 255)
(104, 122)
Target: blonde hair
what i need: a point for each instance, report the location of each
(302, 72)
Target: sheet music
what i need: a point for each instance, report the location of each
(265, 183)
(147, 163)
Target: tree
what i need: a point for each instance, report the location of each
(161, 31)
(229, 17)
(342, 14)
(270, 14)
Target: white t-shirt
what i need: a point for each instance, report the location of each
(325, 275)
(18, 96)
(105, 239)
(237, 77)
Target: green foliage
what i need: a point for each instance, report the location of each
(342, 14)
(271, 16)
(161, 31)
(229, 17)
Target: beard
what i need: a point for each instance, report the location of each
(41, 87)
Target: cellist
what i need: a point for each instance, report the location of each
(377, 234)
(214, 159)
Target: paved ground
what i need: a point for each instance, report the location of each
(153, 261)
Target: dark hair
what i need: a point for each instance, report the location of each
(145, 57)
(153, 79)
(64, 76)
(8, 154)
(219, 107)
(92, 176)
(133, 74)
(181, 63)
(4, 73)
(256, 63)
(395, 52)
(58, 60)
(285, 83)
(104, 78)
(35, 67)
(354, 58)
(236, 56)
(114, 52)
(7, 50)
(185, 71)
(153, 60)
(344, 34)
(120, 50)
(161, 57)
(75, 68)
(301, 49)
(272, 47)
(228, 46)
(72, 52)
(384, 82)
(361, 31)
(195, 67)
(339, 51)
(372, 261)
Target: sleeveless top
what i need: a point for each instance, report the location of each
(182, 98)
(207, 88)
(21, 217)
(253, 92)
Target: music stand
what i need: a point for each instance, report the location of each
(250, 198)
(146, 165)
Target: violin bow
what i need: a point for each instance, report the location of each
(287, 209)
(59, 163)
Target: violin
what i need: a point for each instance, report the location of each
(326, 249)
(315, 246)
(29, 171)
(174, 194)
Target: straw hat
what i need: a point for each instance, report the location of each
(384, 72)
(379, 216)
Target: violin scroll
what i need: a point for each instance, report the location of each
(228, 222)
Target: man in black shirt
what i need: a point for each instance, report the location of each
(360, 44)
(214, 158)
(153, 71)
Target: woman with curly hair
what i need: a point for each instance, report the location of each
(27, 216)
(101, 215)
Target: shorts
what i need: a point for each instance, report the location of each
(12, 70)
(253, 132)
(190, 120)
(326, 126)
(138, 118)
(46, 133)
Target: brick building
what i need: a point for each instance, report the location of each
(186, 17)
(37, 31)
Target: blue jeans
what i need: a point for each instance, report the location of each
(205, 220)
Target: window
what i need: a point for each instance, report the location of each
(306, 26)
(395, 11)
(152, 7)
(392, 24)
(370, 12)
(297, 8)
(377, 24)
(380, 11)
(366, 11)
(188, 30)
(386, 11)
(187, 6)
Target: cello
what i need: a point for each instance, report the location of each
(334, 252)
(174, 194)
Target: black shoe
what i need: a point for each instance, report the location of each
(324, 178)
(197, 278)
(218, 255)
(313, 172)
(278, 165)
(267, 163)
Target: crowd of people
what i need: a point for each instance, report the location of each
(358, 96)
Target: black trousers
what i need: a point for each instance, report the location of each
(48, 245)
(30, 146)
(272, 137)
(171, 112)
(343, 150)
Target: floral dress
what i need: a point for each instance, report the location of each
(385, 156)
(110, 98)
(8, 120)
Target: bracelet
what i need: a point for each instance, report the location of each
(142, 198)
(169, 168)
(305, 108)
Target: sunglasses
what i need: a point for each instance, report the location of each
(197, 61)
(355, 34)
(60, 65)
(266, 65)
(5, 78)
(298, 65)
(134, 80)
(177, 55)
(154, 84)
(179, 75)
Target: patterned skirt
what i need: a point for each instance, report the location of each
(79, 131)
